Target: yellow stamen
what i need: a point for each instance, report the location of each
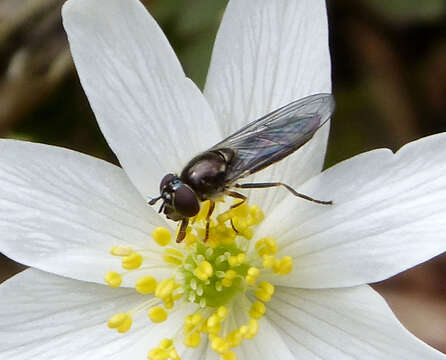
(230, 355)
(132, 261)
(113, 279)
(173, 256)
(193, 340)
(122, 322)
(146, 285)
(258, 309)
(162, 236)
(204, 270)
(121, 250)
(157, 314)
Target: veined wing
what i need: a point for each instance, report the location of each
(275, 135)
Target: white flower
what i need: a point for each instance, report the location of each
(61, 211)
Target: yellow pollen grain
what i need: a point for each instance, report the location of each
(113, 279)
(132, 261)
(162, 236)
(157, 314)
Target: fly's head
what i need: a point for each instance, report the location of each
(179, 200)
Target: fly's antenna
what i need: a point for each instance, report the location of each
(153, 201)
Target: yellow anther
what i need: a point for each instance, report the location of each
(241, 210)
(113, 279)
(121, 250)
(241, 258)
(213, 321)
(132, 261)
(173, 355)
(284, 266)
(230, 274)
(234, 338)
(266, 246)
(190, 239)
(121, 322)
(222, 312)
(204, 270)
(173, 256)
(223, 217)
(157, 314)
(219, 345)
(253, 328)
(164, 288)
(257, 310)
(253, 271)
(233, 261)
(243, 330)
(158, 354)
(162, 236)
(145, 285)
(264, 291)
(226, 282)
(193, 340)
(166, 344)
(202, 214)
(229, 355)
(168, 302)
(250, 280)
(256, 215)
(269, 262)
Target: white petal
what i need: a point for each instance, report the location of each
(388, 215)
(50, 317)
(267, 344)
(350, 323)
(62, 211)
(267, 54)
(154, 118)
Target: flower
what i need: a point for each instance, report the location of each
(62, 212)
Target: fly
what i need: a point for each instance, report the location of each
(259, 144)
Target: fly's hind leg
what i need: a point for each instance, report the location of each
(288, 187)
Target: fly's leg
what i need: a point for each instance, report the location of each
(276, 184)
(237, 196)
(208, 218)
(182, 232)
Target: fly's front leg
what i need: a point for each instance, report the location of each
(182, 232)
(288, 187)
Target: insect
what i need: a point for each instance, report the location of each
(259, 144)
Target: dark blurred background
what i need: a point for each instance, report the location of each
(389, 79)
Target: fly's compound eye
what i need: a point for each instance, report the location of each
(166, 180)
(186, 202)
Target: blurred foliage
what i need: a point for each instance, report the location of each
(408, 10)
(389, 79)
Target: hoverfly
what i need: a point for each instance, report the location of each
(254, 147)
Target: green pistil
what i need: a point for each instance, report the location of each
(211, 292)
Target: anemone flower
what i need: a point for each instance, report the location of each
(287, 280)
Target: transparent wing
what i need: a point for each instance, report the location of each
(275, 135)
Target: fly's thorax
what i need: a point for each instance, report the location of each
(206, 174)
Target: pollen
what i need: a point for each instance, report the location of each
(212, 276)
